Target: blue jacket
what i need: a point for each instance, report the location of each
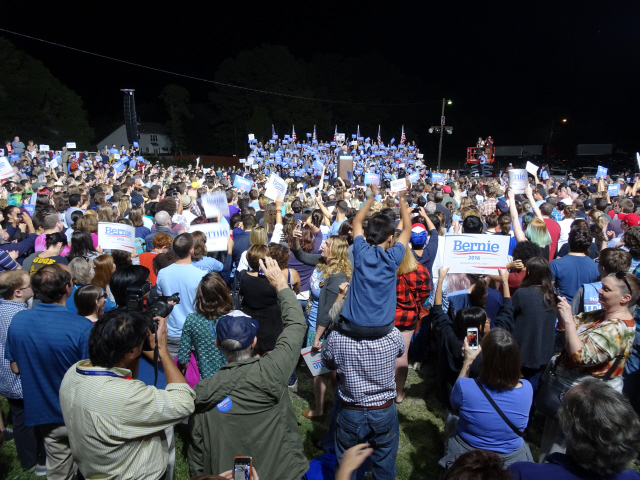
(560, 467)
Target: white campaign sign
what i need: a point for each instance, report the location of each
(44, 148)
(6, 170)
(275, 188)
(71, 144)
(117, 236)
(532, 168)
(518, 180)
(217, 235)
(476, 253)
(340, 137)
(53, 163)
(314, 361)
(398, 185)
(215, 205)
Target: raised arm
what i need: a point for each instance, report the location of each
(406, 220)
(362, 214)
(517, 228)
(534, 206)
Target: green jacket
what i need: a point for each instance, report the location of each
(245, 409)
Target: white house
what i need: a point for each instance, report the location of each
(154, 139)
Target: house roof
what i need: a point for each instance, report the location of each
(153, 128)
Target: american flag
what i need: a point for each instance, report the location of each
(335, 135)
(273, 132)
(293, 133)
(314, 138)
(379, 137)
(403, 138)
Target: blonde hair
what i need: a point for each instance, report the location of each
(338, 258)
(409, 263)
(258, 236)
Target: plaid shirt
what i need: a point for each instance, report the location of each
(366, 366)
(556, 215)
(488, 206)
(10, 385)
(412, 289)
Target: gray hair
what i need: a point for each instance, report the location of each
(430, 208)
(81, 270)
(162, 218)
(228, 349)
(601, 428)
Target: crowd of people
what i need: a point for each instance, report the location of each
(104, 351)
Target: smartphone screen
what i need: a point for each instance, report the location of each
(472, 337)
(242, 468)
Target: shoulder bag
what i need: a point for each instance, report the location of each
(495, 406)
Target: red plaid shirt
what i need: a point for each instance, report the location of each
(412, 289)
(488, 206)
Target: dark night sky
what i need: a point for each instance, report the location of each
(502, 60)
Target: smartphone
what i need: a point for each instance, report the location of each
(242, 468)
(472, 338)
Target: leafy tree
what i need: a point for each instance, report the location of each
(176, 100)
(36, 106)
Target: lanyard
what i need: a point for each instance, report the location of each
(101, 373)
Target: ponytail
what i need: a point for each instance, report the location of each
(479, 292)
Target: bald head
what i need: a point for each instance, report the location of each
(162, 218)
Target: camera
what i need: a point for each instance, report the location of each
(159, 307)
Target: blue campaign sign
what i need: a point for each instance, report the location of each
(318, 165)
(358, 172)
(14, 157)
(243, 184)
(371, 178)
(414, 177)
(437, 177)
(29, 208)
(392, 140)
(118, 166)
(135, 144)
(387, 175)
(614, 189)
(287, 137)
(353, 136)
(412, 148)
(272, 141)
(309, 135)
(264, 154)
(275, 137)
(350, 176)
(602, 172)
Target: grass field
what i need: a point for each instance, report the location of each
(421, 418)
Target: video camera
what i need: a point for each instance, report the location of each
(136, 293)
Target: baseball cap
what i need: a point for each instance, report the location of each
(630, 219)
(195, 185)
(446, 189)
(418, 234)
(502, 206)
(137, 200)
(589, 203)
(237, 326)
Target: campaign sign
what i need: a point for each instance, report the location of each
(414, 177)
(437, 177)
(242, 184)
(275, 188)
(602, 172)
(217, 235)
(614, 189)
(420, 155)
(476, 253)
(117, 236)
(532, 168)
(215, 204)
(398, 185)
(6, 170)
(44, 148)
(29, 208)
(53, 163)
(371, 178)
(71, 144)
(313, 359)
(340, 137)
(118, 166)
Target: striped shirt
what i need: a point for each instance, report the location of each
(10, 385)
(365, 366)
(116, 425)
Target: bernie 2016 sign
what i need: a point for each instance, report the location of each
(116, 236)
(476, 253)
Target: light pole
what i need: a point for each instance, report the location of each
(564, 120)
(441, 128)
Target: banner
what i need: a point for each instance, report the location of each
(215, 205)
(532, 169)
(602, 172)
(71, 144)
(117, 236)
(217, 235)
(371, 178)
(275, 188)
(614, 189)
(398, 185)
(437, 177)
(476, 253)
(242, 184)
(6, 170)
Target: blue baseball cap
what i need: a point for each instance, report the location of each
(237, 326)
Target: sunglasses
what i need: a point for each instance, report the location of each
(620, 275)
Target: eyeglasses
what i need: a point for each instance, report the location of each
(620, 275)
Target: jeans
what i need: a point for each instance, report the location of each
(29, 446)
(377, 427)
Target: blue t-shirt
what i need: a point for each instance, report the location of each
(208, 265)
(45, 342)
(71, 304)
(371, 301)
(183, 279)
(480, 425)
(570, 272)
